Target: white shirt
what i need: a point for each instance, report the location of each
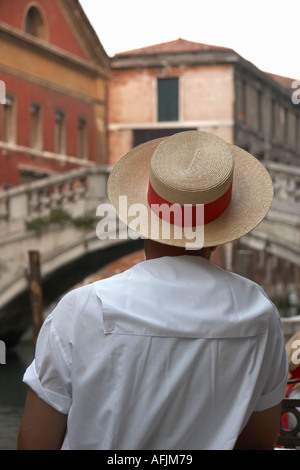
(175, 353)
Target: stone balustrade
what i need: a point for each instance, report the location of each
(37, 199)
(286, 182)
(78, 193)
(65, 190)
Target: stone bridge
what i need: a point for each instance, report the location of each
(279, 233)
(57, 217)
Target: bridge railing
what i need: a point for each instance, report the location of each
(286, 182)
(38, 198)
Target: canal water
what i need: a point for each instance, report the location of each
(13, 393)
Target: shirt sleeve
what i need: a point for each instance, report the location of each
(49, 375)
(275, 367)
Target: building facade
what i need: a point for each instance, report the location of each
(182, 85)
(55, 73)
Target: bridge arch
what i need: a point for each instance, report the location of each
(16, 314)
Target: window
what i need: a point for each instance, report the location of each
(34, 23)
(283, 125)
(297, 134)
(9, 120)
(140, 136)
(28, 175)
(167, 91)
(273, 120)
(60, 133)
(242, 91)
(260, 118)
(82, 138)
(35, 127)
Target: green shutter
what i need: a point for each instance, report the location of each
(167, 99)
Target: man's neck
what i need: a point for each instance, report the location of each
(154, 250)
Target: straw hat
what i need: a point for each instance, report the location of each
(229, 190)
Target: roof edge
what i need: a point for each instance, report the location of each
(171, 59)
(90, 37)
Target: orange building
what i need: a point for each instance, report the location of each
(56, 74)
(181, 85)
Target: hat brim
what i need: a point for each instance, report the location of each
(252, 195)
